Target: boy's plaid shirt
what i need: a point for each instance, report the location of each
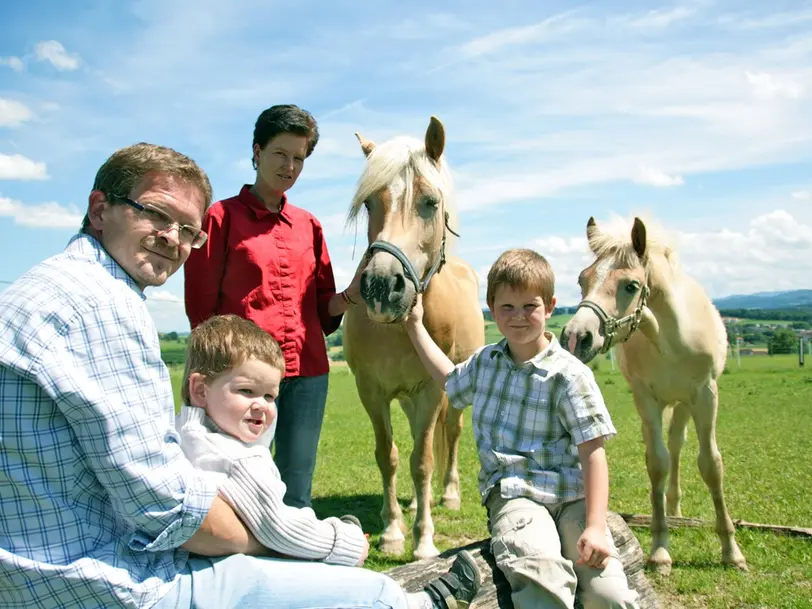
(528, 420)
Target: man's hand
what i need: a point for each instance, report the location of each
(593, 549)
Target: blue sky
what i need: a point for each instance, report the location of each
(696, 114)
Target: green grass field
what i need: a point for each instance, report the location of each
(763, 432)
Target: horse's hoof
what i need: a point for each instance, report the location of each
(392, 547)
(452, 502)
(660, 562)
(426, 550)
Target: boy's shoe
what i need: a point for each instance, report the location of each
(457, 588)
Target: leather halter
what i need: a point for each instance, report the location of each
(408, 267)
(611, 325)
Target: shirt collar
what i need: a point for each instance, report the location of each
(256, 205)
(539, 361)
(88, 246)
(193, 414)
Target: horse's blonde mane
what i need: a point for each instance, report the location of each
(406, 157)
(614, 239)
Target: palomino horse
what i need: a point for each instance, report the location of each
(406, 189)
(674, 360)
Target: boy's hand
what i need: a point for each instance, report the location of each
(593, 550)
(415, 316)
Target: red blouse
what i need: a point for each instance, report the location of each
(272, 268)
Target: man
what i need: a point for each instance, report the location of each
(99, 506)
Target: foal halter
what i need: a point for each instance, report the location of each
(611, 325)
(408, 267)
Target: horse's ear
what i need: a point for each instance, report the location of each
(639, 237)
(366, 145)
(592, 229)
(435, 139)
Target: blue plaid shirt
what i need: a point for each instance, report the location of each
(95, 493)
(528, 420)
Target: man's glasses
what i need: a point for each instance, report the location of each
(187, 235)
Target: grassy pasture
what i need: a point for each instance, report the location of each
(763, 432)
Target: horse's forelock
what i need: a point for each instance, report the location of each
(613, 240)
(406, 157)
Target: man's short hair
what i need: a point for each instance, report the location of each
(125, 169)
(522, 269)
(285, 118)
(224, 341)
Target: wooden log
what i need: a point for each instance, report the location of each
(495, 591)
(644, 520)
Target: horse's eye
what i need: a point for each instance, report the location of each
(431, 202)
(632, 287)
(366, 204)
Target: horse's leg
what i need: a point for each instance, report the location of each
(453, 430)
(712, 470)
(409, 409)
(377, 405)
(426, 404)
(676, 439)
(651, 415)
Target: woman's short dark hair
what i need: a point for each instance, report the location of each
(285, 118)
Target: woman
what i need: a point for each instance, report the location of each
(266, 260)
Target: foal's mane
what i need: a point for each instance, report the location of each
(406, 157)
(614, 240)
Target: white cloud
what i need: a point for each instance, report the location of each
(774, 20)
(15, 63)
(53, 52)
(44, 215)
(802, 195)
(18, 167)
(766, 86)
(163, 296)
(556, 25)
(654, 177)
(13, 113)
(657, 19)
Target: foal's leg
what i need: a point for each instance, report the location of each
(676, 439)
(651, 415)
(378, 408)
(712, 470)
(426, 405)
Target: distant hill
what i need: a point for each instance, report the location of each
(766, 300)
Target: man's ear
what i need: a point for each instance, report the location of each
(197, 390)
(97, 204)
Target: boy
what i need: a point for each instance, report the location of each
(540, 422)
(231, 381)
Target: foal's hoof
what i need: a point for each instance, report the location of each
(737, 562)
(659, 562)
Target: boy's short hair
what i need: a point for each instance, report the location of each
(224, 341)
(522, 269)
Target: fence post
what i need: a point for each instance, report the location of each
(739, 350)
(800, 350)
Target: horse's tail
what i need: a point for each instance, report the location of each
(440, 446)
